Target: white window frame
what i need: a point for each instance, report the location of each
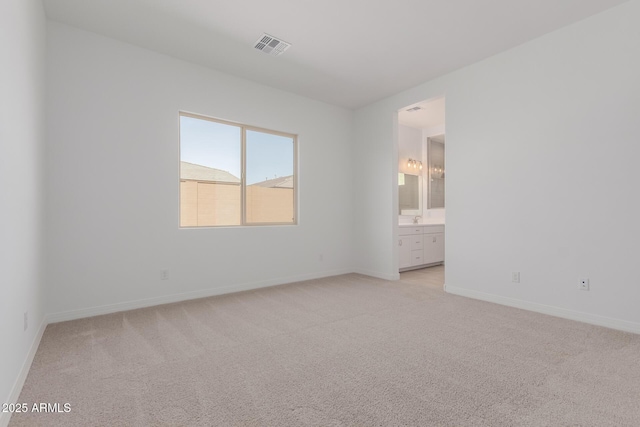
(243, 166)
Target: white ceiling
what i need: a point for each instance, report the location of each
(347, 53)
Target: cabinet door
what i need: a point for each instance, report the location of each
(439, 247)
(433, 248)
(404, 244)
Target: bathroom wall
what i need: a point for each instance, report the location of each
(410, 146)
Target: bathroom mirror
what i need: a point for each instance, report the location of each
(435, 156)
(409, 194)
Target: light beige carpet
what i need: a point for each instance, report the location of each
(343, 351)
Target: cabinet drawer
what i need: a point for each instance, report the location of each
(416, 242)
(428, 229)
(417, 257)
(408, 231)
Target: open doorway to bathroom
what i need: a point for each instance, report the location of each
(421, 192)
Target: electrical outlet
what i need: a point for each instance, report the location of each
(515, 277)
(164, 274)
(584, 284)
(26, 320)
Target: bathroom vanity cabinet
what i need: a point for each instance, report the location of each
(420, 245)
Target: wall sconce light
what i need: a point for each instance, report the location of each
(415, 164)
(437, 172)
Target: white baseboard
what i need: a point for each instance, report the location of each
(5, 417)
(377, 274)
(167, 299)
(593, 319)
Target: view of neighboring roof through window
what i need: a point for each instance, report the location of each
(233, 174)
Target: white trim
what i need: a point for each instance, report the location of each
(377, 274)
(421, 266)
(593, 319)
(166, 299)
(5, 417)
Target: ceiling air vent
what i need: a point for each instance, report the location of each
(416, 108)
(271, 45)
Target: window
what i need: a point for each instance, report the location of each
(233, 174)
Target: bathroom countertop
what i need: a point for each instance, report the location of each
(424, 221)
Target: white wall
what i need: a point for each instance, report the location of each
(433, 131)
(22, 43)
(376, 191)
(409, 147)
(530, 185)
(113, 180)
